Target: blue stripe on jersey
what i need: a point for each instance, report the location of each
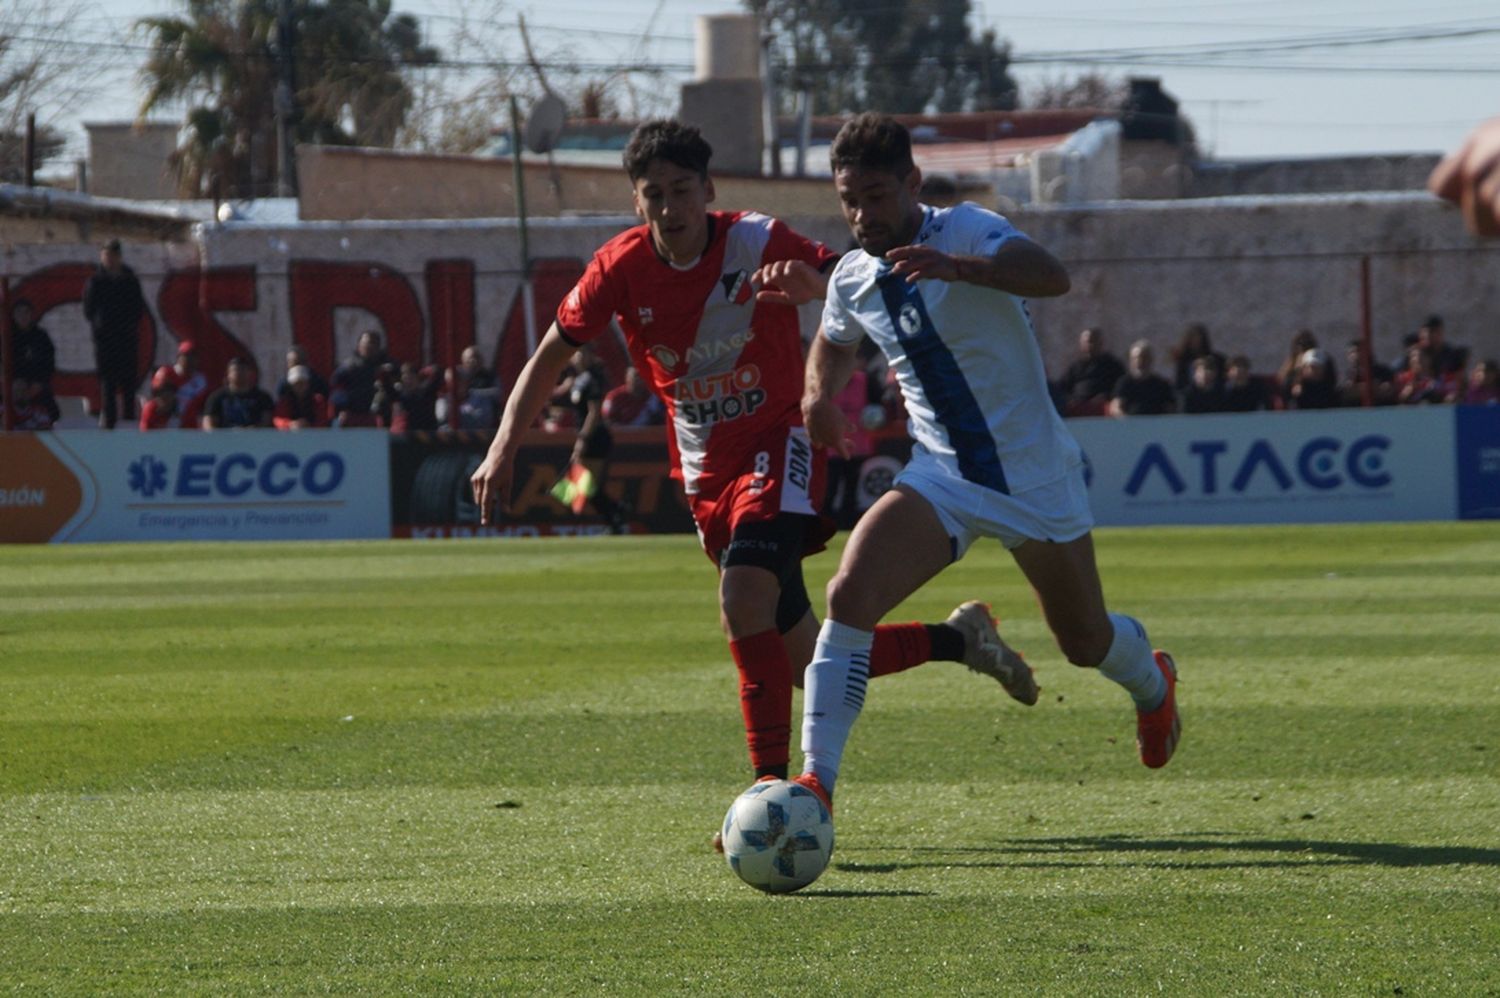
(944, 385)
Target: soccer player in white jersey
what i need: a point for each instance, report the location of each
(941, 291)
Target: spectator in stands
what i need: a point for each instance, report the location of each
(162, 410)
(1194, 344)
(1243, 392)
(1484, 384)
(113, 305)
(633, 403)
(1142, 392)
(414, 400)
(193, 388)
(1205, 388)
(1312, 386)
(1447, 360)
(240, 403)
(35, 359)
(1286, 374)
(357, 382)
(1089, 382)
(1352, 388)
(301, 405)
(296, 357)
(1419, 382)
(477, 393)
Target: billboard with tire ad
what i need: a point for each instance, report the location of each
(431, 496)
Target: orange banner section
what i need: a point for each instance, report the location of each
(38, 494)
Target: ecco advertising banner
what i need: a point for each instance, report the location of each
(1332, 466)
(92, 485)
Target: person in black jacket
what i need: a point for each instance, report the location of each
(113, 304)
(29, 387)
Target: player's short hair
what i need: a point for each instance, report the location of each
(668, 139)
(872, 141)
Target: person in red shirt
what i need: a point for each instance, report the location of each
(193, 388)
(162, 410)
(701, 297)
(632, 404)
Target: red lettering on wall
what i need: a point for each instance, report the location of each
(450, 303)
(188, 300)
(320, 286)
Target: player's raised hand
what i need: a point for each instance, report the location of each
(491, 484)
(826, 425)
(922, 263)
(789, 282)
(1470, 177)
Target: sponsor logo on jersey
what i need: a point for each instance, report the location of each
(665, 356)
(799, 462)
(716, 348)
(643, 316)
(737, 286)
(720, 397)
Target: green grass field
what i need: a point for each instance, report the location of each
(494, 767)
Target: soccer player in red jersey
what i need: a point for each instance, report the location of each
(702, 299)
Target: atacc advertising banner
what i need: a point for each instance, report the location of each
(94, 485)
(1331, 466)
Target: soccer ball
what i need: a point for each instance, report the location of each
(778, 836)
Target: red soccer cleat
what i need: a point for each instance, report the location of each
(811, 782)
(1157, 731)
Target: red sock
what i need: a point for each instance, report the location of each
(898, 647)
(765, 699)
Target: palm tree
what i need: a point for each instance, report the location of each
(220, 58)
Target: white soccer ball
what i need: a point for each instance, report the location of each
(778, 836)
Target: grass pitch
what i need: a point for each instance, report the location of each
(494, 767)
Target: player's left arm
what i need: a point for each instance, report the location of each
(1019, 267)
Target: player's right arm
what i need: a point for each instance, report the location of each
(492, 480)
(830, 365)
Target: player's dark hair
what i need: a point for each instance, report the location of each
(873, 141)
(668, 139)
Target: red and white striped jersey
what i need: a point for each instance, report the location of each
(726, 367)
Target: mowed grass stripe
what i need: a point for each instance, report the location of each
(420, 845)
(493, 767)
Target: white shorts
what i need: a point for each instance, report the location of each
(1058, 511)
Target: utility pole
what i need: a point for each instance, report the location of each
(286, 100)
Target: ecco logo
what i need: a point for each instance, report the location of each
(203, 476)
(1323, 463)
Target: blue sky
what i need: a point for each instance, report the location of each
(1272, 78)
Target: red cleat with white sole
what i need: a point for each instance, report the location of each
(1157, 731)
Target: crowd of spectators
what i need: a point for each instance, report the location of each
(1429, 370)
(370, 389)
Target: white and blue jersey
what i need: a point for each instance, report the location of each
(965, 356)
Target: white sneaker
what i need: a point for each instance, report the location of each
(985, 652)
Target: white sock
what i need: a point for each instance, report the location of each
(1130, 663)
(834, 695)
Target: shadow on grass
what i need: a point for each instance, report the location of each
(1209, 850)
(861, 894)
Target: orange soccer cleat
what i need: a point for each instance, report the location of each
(811, 782)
